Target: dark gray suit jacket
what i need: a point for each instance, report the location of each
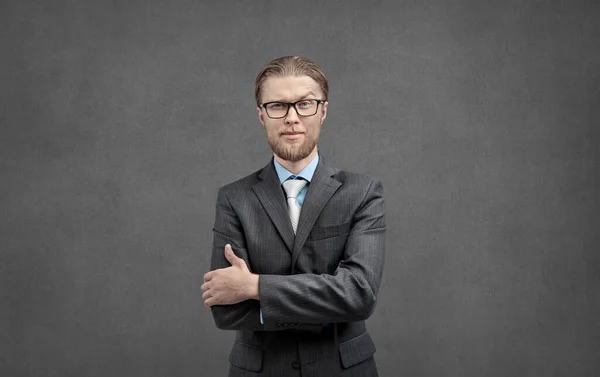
(317, 287)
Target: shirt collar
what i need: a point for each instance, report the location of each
(306, 173)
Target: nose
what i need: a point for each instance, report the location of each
(292, 116)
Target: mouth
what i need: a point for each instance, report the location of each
(292, 135)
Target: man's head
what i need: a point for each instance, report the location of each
(292, 131)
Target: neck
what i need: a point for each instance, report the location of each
(296, 167)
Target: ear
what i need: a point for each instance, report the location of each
(324, 111)
(260, 116)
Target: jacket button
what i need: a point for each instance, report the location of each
(296, 364)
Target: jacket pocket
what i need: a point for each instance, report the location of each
(319, 233)
(356, 350)
(246, 357)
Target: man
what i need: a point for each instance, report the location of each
(298, 246)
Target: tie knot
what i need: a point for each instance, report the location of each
(293, 187)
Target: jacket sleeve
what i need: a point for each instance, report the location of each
(346, 296)
(228, 230)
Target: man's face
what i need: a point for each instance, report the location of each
(292, 137)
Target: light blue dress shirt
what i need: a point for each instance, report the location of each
(306, 173)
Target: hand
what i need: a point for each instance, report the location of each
(228, 286)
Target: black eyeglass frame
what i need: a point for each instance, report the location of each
(290, 104)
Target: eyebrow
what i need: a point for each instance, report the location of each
(310, 92)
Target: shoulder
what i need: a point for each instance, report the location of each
(346, 177)
(359, 187)
(356, 181)
(242, 184)
(351, 178)
(358, 192)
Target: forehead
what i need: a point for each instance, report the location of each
(289, 88)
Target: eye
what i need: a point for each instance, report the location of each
(275, 106)
(304, 104)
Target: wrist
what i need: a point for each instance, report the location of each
(253, 287)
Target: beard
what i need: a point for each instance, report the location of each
(294, 152)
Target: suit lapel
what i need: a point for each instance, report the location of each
(321, 188)
(270, 194)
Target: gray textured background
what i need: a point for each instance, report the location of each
(120, 120)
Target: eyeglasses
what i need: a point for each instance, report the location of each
(304, 108)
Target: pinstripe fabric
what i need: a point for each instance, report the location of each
(328, 272)
(292, 188)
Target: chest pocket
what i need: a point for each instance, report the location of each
(319, 233)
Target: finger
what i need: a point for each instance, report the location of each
(208, 276)
(209, 302)
(229, 255)
(234, 259)
(206, 295)
(205, 287)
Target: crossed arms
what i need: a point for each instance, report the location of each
(236, 295)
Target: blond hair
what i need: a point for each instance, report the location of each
(290, 66)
